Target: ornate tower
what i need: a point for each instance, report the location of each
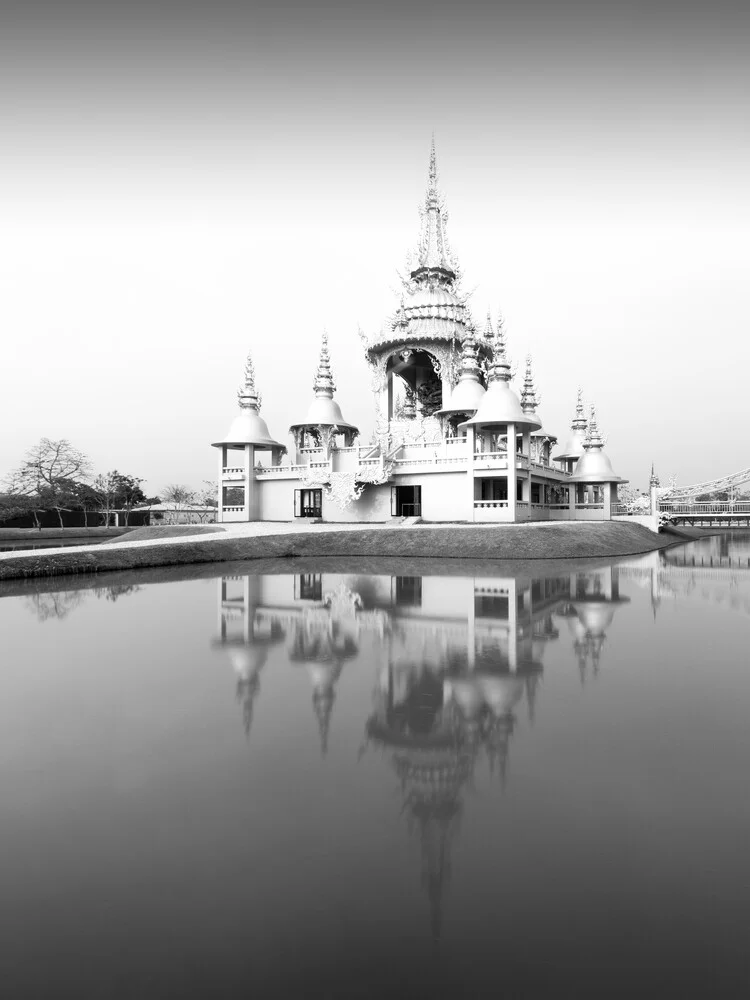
(238, 498)
(324, 420)
(416, 353)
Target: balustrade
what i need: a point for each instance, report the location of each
(490, 503)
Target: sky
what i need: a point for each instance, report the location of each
(180, 184)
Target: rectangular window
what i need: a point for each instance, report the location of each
(491, 606)
(308, 587)
(233, 496)
(308, 503)
(536, 493)
(409, 591)
(519, 489)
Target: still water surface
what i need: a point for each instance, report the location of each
(318, 782)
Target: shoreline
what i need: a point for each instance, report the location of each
(475, 543)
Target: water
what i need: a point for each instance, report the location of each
(325, 782)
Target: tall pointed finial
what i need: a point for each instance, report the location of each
(433, 257)
(579, 422)
(489, 333)
(469, 368)
(324, 384)
(593, 437)
(323, 706)
(247, 395)
(654, 479)
(500, 366)
(529, 399)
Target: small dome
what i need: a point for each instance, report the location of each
(502, 693)
(573, 447)
(467, 694)
(595, 467)
(596, 616)
(247, 660)
(465, 398)
(500, 405)
(325, 412)
(248, 427)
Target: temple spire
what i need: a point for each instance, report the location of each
(579, 420)
(500, 366)
(529, 398)
(469, 369)
(248, 395)
(324, 384)
(593, 437)
(433, 252)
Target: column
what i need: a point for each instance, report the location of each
(512, 472)
(222, 463)
(471, 439)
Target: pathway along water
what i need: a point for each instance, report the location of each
(325, 783)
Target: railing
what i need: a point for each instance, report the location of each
(411, 509)
(235, 470)
(312, 451)
(319, 465)
(719, 507)
(278, 469)
(490, 454)
(522, 503)
(589, 506)
(232, 510)
(490, 503)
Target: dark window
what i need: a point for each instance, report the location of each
(536, 493)
(234, 496)
(519, 489)
(309, 587)
(409, 591)
(491, 606)
(308, 503)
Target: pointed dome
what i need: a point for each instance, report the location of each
(324, 411)
(594, 466)
(500, 405)
(469, 391)
(573, 447)
(248, 427)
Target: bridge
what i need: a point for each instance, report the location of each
(681, 505)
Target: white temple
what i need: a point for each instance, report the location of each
(453, 441)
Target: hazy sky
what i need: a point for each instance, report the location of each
(180, 184)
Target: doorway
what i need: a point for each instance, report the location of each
(406, 501)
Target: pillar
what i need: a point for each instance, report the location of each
(222, 464)
(512, 472)
(471, 443)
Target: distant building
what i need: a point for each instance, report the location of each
(452, 442)
(171, 513)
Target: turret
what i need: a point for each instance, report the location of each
(419, 344)
(324, 421)
(573, 447)
(541, 440)
(247, 435)
(596, 480)
(469, 392)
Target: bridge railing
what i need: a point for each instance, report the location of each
(718, 507)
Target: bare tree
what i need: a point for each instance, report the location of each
(179, 495)
(50, 471)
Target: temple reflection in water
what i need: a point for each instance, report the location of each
(457, 659)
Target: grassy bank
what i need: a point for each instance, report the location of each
(55, 534)
(472, 543)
